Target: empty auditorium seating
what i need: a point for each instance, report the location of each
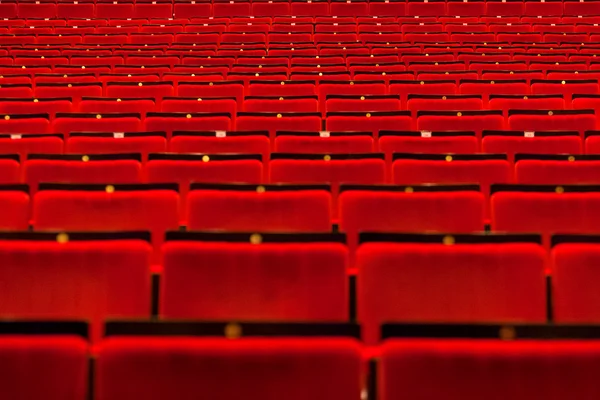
(262, 208)
(546, 209)
(115, 143)
(324, 142)
(217, 142)
(508, 369)
(476, 121)
(43, 274)
(311, 287)
(78, 168)
(108, 207)
(531, 142)
(409, 209)
(407, 279)
(428, 142)
(556, 169)
(293, 368)
(27, 357)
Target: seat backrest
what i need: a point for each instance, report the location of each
(291, 368)
(557, 169)
(108, 279)
(311, 287)
(573, 266)
(324, 142)
(497, 366)
(272, 208)
(24, 357)
(513, 142)
(546, 120)
(545, 209)
(78, 168)
(419, 282)
(153, 208)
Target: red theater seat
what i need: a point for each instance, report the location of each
(557, 169)
(51, 106)
(311, 287)
(543, 120)
(22, 145)
(482, 169)
(78, 168)
(282, 104)
(547, 209)
(464, 142)
(328, 169)
(409, 209)
(274, 122)
(529, 102)
(497, 366)
(324, 142)
(292, 368)
(221, 142)
(24, 123)
(476, 121)
(115, 143)
(84, 122)
(75, 91)
(443, 103)
(170, 122)
(214, 168)
(151, 208)
(432, 282)
(369, 121)
(574, 261)
(545, 142)
(272, 208)
(153, 90)
(15, 206)
(25, 357)
(41, 276)
(353, 103)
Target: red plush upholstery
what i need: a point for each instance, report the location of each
(473, 369)
(273, 122)
(89, 280)
(514, 142)
(574, 266)
(82, 122)
(369, 122)
(362, 169)
(546, 211)
(170, 122)
(14, 209)
(25, 123)
(10, 169)
(81, 169)
(428, 142)
(280, 282)
(539, 120)
(324, 142)
(188, 168)
(111, 143)
(400, 282)
(366, 210)
(561, 170)
(482, 170)
(221, 142)
(25, 360)
(259, 209)
(268, 369)
(102, 210)
(476, 121)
